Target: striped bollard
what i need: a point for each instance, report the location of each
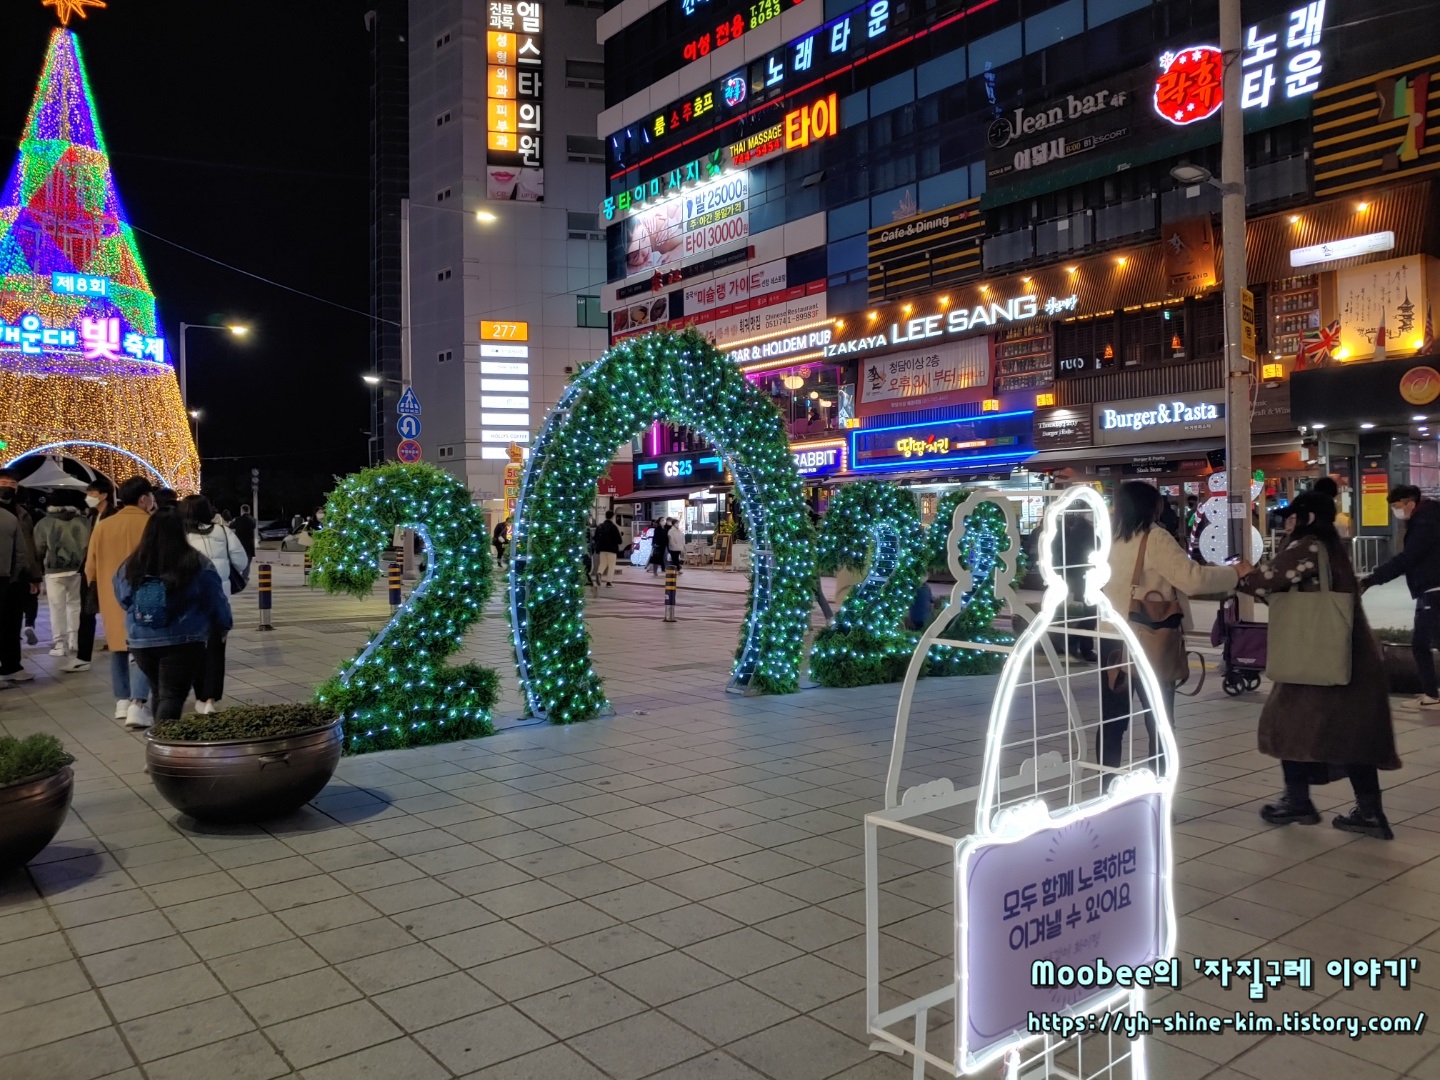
(307, 566)
(671, 581)
(395, 571)
(263, 591)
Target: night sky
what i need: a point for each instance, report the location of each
(240, 131)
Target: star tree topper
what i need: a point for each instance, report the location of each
(66, 8)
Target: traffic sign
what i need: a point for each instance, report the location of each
(409, 404)
(408, 427)
(408, 451)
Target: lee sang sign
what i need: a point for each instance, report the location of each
(1143, 419)
(960, 321)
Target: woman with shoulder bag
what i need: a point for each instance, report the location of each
(1329, 709)
(222, 547)
(1149, 573)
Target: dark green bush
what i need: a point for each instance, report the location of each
(244, 722)
(30, 758)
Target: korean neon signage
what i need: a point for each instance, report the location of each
(732, 28)
(96, 339)
(1190, 86)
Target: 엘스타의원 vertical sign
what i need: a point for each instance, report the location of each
(513, 85)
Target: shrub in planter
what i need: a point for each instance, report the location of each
(36, 783)
(248, 763)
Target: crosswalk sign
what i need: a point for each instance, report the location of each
(409, 404)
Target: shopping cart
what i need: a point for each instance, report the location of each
(1243, 646)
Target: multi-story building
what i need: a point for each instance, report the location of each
(506, 250)
(388, 24)
(974, 206)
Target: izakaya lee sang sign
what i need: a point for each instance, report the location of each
(1077, 895)
(960, 321)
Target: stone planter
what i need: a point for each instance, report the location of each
(31, 813)
(233, 781)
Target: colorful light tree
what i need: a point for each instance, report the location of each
(83, 366)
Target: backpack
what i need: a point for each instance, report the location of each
(65, 553)
(151, 604)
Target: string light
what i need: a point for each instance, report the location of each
(679, 377)
(983, 543)
(61, 214)
(875, 526)
(399, 691)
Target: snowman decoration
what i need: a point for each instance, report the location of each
(1214, 541)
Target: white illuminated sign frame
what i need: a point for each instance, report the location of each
(1369, 244)
(1022, 817)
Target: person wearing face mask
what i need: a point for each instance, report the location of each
(113, 541)
(19, 577)
(1419, 562)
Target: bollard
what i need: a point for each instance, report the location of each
(671, 579)
(263, 587)
(395, 572)
(307, 566)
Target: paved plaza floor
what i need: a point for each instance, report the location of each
(672, 892)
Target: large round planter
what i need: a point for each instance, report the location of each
(31, 813)
(242, 780)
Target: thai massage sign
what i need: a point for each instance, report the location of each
(1146, 419)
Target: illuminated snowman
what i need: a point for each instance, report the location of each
(1214, 541)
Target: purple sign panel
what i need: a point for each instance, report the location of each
(1086, 891)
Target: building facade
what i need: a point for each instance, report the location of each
(1007, 283)
(506, 253)
(388, 24)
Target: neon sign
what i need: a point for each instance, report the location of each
(958, 321)
(812, 123)
(818, 460)
(96, 339)
(992, 441)
(79, 285)
(1190, 86)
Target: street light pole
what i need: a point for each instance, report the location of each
(1237, 367)
(238, 331)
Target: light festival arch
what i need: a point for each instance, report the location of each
(678, 377)
(69, 447)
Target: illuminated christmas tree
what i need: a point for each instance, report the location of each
(84, 370)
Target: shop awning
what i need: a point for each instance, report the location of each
(1279, 442)
(660, 494)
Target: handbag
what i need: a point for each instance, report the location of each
(1158, 624)
(238, 581)
(1310, 634)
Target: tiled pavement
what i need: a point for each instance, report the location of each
(672, 892)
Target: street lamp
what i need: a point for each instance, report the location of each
(238, 331)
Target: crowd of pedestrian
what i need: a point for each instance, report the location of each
(156, 570)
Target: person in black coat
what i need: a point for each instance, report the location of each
(1419, 561)
(606, 544)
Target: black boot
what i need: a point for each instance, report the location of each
(1367, 818)
(1291, 807)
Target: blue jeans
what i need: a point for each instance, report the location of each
(127, 680)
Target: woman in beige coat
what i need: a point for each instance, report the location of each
(1167, 572)
(113, 541)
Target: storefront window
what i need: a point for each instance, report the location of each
(809, 395)
(1425, 466)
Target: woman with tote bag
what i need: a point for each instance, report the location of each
(1149, 575)
(1329, 709)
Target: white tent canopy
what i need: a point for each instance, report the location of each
(52, 476)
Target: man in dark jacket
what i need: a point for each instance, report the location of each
(606, 542)
(19, 577)
(1419, 561)
(244, 529)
